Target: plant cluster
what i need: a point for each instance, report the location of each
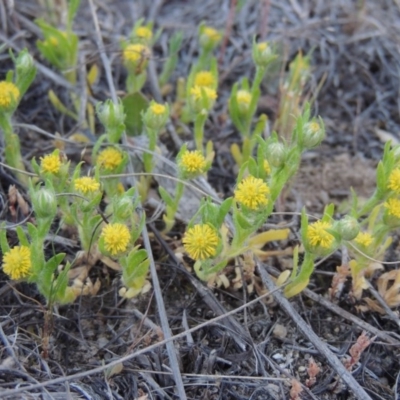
(95, 202)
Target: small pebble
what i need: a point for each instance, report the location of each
(279, 331)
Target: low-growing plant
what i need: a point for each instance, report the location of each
(96, 204)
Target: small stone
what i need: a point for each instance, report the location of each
(279, 331)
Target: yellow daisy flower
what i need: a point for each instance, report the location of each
(364, 239)
(116, 238)
(110, 158)
(200, 242)
(17, 262)
(394, 181)
(204, 79)
(318, 236)
(9, 95)
(86, 184)
(50, 163)
(252, 192)
(143, 32)
(393, 207)
(157, 109)
(193, 162)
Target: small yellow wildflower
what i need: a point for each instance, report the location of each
(110, 158)
(157, 109)
(204, 79)
(212, 34)
(197, 91)
(9, 95)
(243, 97)
(193, 162)
(252, 192)
(17, 262)
(116, 238)
(86, 184)
(201, 242)
(318, 236)
(267, 167)
(394, 181)
(364, 239)
(143, 32)
(262, 46)
(393, 207)
(50, 163)
(135, 52)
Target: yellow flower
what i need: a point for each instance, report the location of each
(136, 52)
(9, 95)
(86, 184)
(17, 262)
(193, 162)
(318, 236)
(116, 238)
(50, 163)
(212, 34)
(393, 207)
(243, 97)
(143, 32)
(252, 192)
(157, 109)
(110, 158)
(204, 79)
(262, 46)
(364, 239)
(267, 167)
(197, 91)
(394, 181)
(201, 242)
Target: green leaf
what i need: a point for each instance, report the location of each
(73, 6)
(223, 210)
(169, 201)
(136, 268)
(3, 240)
(134, 104)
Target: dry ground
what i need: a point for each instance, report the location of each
(252, 353)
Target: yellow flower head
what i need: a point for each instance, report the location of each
(394, 181)
(157, 109)
(50, 163)
(86, 184)
(364, 239)
(262, 46)
(267, 167)
(204, 79)
(197, 91)
(17, 262)
(143, 32)
(201, 242)
(318, 236)
(314, 127)
(193, 162)
(212, 34)
(393, 207)
(116, 238)
(110, 158)
(243, 97)
(9, 95)
(252, 192)
(136, 52)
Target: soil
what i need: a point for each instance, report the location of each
(257, 351)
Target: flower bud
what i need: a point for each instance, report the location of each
(313, 134)
(112, 116)
(156, 116)
(136, 57)
(348, 227)
(44, 203)
(202, 98)
(24, 62)
(9, 96)
(243, 98)
(276, 154)
(122, 207)
(209, 37)
(262, 54)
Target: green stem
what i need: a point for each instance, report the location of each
(13, 148)
(199, 131)
(148, 157)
